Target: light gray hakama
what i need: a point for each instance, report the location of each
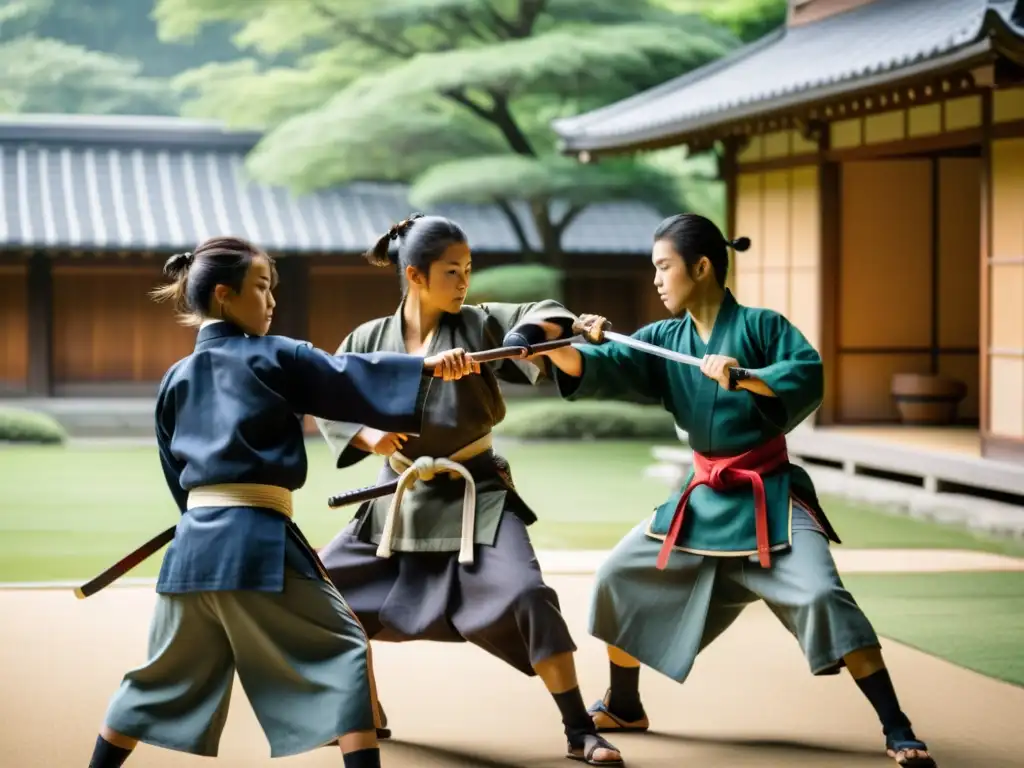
(300, 654)
(665, 618)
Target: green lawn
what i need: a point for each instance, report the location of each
(68, 512)
(975, 620)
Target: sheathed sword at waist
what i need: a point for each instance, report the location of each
(226, 495)
(359, 495)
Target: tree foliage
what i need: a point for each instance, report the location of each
(46, 75)
(93, 57)
(453, 96)
(748, 19)
(488, 179)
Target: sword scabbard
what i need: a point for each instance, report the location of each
(360, 495)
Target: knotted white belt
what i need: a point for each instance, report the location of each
(425, 468)
(242, 495)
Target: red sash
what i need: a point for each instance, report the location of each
(726, 473)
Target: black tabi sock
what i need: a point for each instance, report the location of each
(364, 758)
(624, 695)
(880, 692)
(575, 717)
(106, 755)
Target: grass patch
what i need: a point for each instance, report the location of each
(67, 512)
(974, 620)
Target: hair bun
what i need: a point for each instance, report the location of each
(177, 264)
(398, 230)
(740, 243)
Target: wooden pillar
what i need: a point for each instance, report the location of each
(727, 171)
(985, 258)
(291, 315)
(830, 206)
(40, 326)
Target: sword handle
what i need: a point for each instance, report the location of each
(736, 375)
(503, 353)
(583, 331)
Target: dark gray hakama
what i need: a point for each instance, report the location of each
(499, 603)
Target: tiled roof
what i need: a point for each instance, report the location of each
(790, 66)
(163, 184)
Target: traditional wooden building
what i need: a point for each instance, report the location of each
(91, 207)
(874, 152)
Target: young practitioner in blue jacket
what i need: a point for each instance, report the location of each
(240, 588)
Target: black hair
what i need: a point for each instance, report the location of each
(421, 240)
(195, 274)
(693, 236)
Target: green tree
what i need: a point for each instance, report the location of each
(455, 96)
(748, 19)
(47, 74)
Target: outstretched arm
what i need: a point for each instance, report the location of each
(351, 442)
(382, 390)
(608, 371)
(501, 318)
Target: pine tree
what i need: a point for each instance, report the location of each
(454, 96)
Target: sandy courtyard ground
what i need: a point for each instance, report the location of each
(749, 702)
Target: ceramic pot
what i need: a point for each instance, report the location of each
(927, 398)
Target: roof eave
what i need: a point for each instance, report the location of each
(569, 126)
(676, 133)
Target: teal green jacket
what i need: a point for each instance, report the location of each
(719, 422)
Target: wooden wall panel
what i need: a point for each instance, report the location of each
(959, 279)
(1007, 397)
(845, 134)
(340, 301)
(107, 329)
(959, 276)
(1007, 105)
(776, 144)
(609, 296)
(885, 273)
(805, 217)
(866, 382)
(961, 113)
(804, 307)
(749, 218)
(779, 211)
(651, 308)
(885, 126)
(805, 303)
(924, 121)
(13, 329)
(884, 282)
(1006, 305)
(752, 152)
(775, 225)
